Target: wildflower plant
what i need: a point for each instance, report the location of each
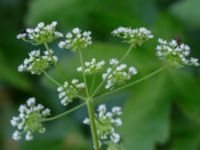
(114, 76)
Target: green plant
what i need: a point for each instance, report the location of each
(115, 75)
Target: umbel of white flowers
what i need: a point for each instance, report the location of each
(36, 63)
(106, 124)
(135, 37)
(76, 40)
(117, 73)
(69, 91)
(29, 120)
(174, 53)
(40, 34)
(91, 67)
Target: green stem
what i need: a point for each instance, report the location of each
(58, 84)
(46, 46)
(122, 59)
(93, 83)
(51, 79)
(84, 77)
(126, 54)
(48, 49)
(63, 114)
(133, 83)
(62, 74)
(90, 108)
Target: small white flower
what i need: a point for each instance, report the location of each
(91, 67)
(113, 61)
(102, 108)
(108, 85)
(194, 61)
(46, 112)
(39, 107)
(21, 68)
(42, 130)
(58, 34)
(16, 135)
(115, 137)
(75, 81)
(31, 101)
(41, 24)
(76, 30)
(64, 101)
(79, 69)
(69, 35)
(117, 122)
(62, 44)
(117, 110)
(21, 35)
(54, 23)
(22, 108)
(80, 85)
(29, 136)
(132, 70)
(86, 121)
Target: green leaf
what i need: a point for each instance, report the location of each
(146, 115)
(185, 134)
(186, 89)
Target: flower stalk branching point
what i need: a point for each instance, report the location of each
(115, 76)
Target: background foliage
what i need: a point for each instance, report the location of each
(162, 113)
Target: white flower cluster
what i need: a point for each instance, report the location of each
(174, 53)
(29, 120)
(117, 73)
(106, 124)
(69, 91)
(76, 40)
(92, 66)
(36, 62)
(40, 34)
(136, 37)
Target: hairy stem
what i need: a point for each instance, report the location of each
(90, 108)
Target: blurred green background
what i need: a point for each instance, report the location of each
(162, 113)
